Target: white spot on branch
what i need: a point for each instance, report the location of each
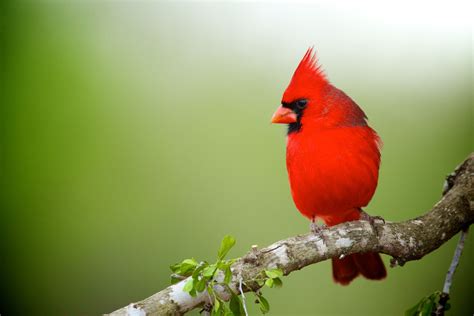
(321, 247)
(132, 310)
(182, 298)
(344, 242)
(364, 242)
(400, 239)
(282, 254)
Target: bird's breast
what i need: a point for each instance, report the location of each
(333, 170)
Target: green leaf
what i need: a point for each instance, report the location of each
(274, 273)
(191, 262)
(175, 267)
(269, 282)
(222, 264)
(227, 243)
(188, 266)
(235, 306)
(228, 275)
(201, 285)
(264, 305)
(201, 266)
(225, 309)
(425, 306)
(277, 282)
(209, 271)
(185, 268)
(175, 278)
(414, 311)
(189, 286)
(216, 309)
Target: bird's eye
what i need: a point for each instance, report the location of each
(301, 104)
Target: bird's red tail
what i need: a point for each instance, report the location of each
(369, 264)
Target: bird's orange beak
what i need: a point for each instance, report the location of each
(284, 116)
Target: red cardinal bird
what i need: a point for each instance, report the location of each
(332, 157)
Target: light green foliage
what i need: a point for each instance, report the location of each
(426, 305)
(227, 243)
(264, 305)
(202, 277)
(274, 278)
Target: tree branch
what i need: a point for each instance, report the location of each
(404, 241)
(444, 296)
(455, 262)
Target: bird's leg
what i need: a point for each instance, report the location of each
(371, 219)
(318, 230)
(315, 228)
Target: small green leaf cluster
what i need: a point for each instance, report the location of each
(273, 278)
(202, 273)
(270, 278)
(427, 305)
(202, 277)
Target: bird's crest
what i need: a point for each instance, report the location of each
(308, 75)
(309, 65)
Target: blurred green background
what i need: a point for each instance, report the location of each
(136, 134)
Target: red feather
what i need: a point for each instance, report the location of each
(332, 160)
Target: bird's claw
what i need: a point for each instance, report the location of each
(371, 219)
(317, 229)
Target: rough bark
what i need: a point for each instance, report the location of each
(404, 241)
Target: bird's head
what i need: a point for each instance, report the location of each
(303, 95)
